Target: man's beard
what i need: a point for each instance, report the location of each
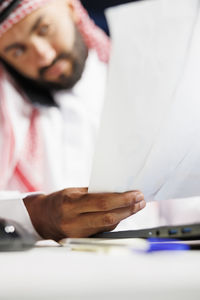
(77, 58)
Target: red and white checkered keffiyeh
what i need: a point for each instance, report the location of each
(29, 165)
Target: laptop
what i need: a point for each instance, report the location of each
(181, 232)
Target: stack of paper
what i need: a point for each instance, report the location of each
(150, 130)
(106, 246)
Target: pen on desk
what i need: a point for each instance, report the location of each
(188, 244)
(156, 245)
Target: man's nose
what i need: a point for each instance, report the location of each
(43, 52)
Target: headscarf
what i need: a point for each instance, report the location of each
(29, 166)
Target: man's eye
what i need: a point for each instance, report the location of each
(44, 30)
(18, 52)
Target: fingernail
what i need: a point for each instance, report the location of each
(142, 204)
(139, 197)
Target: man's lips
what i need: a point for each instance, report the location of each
(60, 67)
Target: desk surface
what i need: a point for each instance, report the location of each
(55, 273)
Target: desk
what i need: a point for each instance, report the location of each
(55, 273)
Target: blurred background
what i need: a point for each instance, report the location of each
(96, 10)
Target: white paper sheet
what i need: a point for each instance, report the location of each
(150, 130)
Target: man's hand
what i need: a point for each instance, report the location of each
(76, 213)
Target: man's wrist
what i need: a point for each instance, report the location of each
(32, 204)
(38, 207)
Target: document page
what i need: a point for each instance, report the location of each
(149, 137)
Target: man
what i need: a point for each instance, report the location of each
(51, 89)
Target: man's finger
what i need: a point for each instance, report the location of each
(110, 218)
(107, 202)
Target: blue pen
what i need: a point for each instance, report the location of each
(166, 245)
(156, 245)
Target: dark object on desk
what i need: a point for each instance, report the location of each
(183, 232)
(14, 237)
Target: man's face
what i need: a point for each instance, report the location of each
(46, 46)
